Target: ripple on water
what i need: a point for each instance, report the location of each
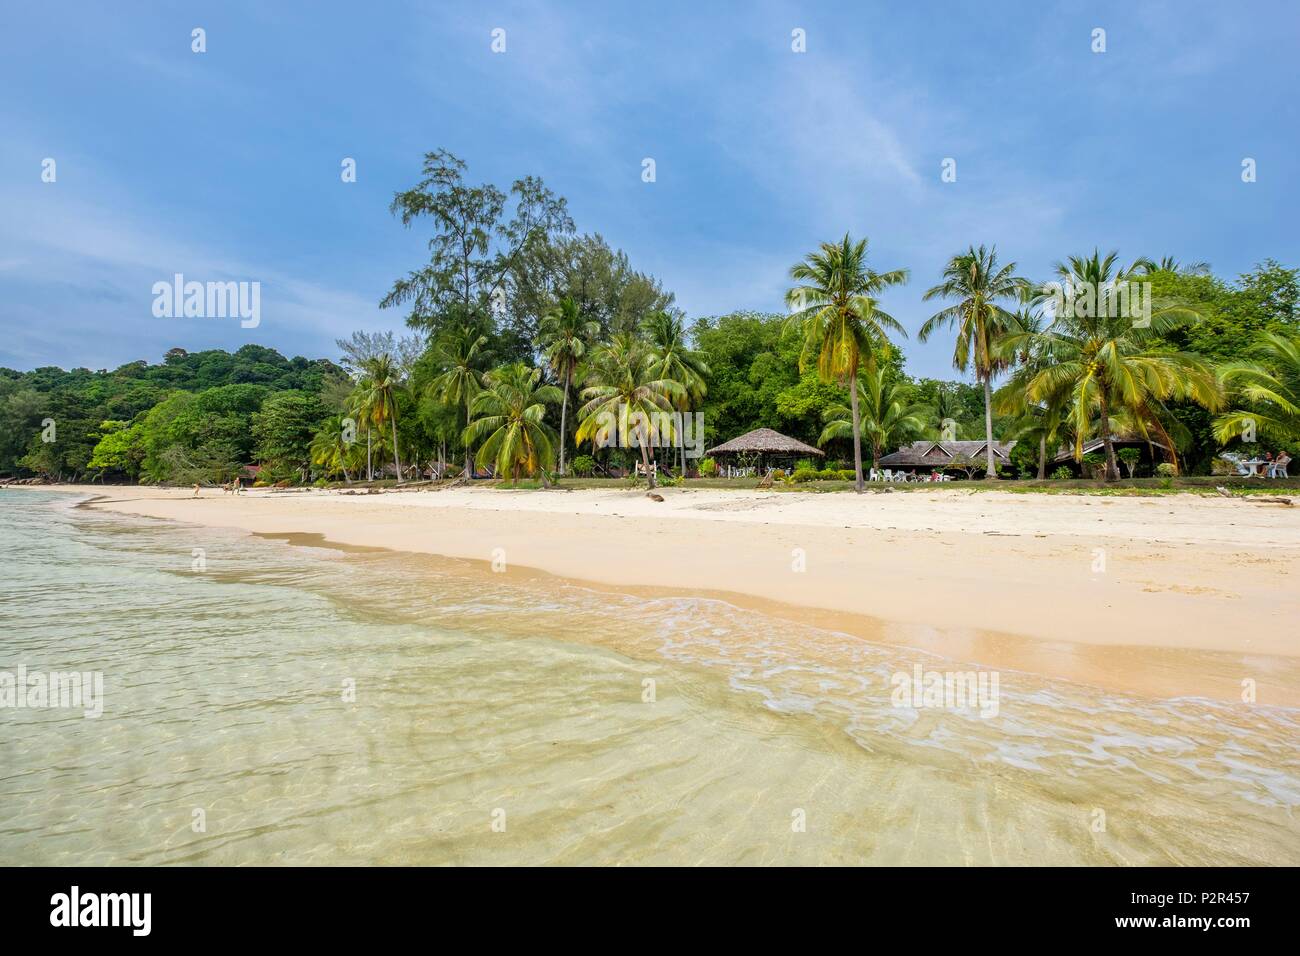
(478, 694)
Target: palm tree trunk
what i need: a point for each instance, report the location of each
(992, 470)
(1042, 456)
(645, 460)
(396, 461)
(370, 470)
(681, 439)
(1112, 469)
(564, 414)
(857, 432)
(469, 465)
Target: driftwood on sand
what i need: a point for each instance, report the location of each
(1260, 498)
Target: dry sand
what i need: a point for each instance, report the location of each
(1171, 596)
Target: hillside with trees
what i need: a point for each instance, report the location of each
(524, 333)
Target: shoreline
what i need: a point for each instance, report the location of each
(1173, 597)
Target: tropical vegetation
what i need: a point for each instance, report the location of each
(975, 279)
(836, 308)
(533, 351)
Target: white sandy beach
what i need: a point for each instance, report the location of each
(1172, 596)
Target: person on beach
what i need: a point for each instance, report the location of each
(196, 490)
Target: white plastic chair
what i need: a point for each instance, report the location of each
(873, 475)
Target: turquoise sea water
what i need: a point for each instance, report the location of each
(505, 719)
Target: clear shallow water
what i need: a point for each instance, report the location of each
(480, 694)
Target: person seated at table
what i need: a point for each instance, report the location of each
(1277, 469)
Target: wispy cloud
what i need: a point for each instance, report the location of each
(225, 165)
(72, 249)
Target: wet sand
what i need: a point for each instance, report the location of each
(1173, 596)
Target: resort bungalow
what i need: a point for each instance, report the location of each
(928, 456)
(1095, 450)
(762, 449)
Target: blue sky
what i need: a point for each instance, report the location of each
(225, 165)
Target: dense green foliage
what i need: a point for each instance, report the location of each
(755, 382)
(189, 417)
(529, 338)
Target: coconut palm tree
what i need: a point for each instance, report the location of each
(1036, 421)
(361, 408)
(1170, 264)
(459, 353)
(377, 398)
(1099, 360)
(1271, 385)
(564, 336)
(357, 409)
(512, 421)
(975, 279)
(887, 416)
(1042, 422)
(673, 359)
(836, 309)
(331, 449)
(625, 392)
(946, 409)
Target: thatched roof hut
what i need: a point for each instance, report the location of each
(764, 441)
(760, 451)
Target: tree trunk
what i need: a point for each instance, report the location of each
(1042, 456)
(645, 460)
(857, 432)
(564, 414)
(1112, 469)
(681, 439)
(370, 470)
(469, 465)
(991, 471)
(397, 463)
